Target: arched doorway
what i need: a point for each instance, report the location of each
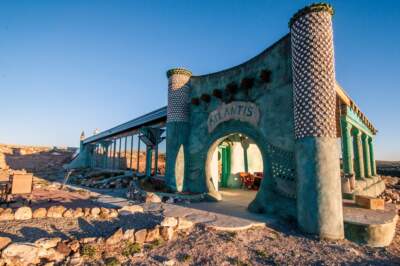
(234, 168)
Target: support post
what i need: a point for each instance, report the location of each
(372, 157)
(319, 198)
(347, 148)
(149, 154)
(131, 153)
(156, 159)
(366, 155)
(358, 154)
(138, 154)
(114, 150)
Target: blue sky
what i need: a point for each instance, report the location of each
(68, 66)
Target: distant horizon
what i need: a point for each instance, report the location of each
(72, 67)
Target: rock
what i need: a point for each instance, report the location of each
(113, 214)
(170, 200)
(68, 213)
(74, 245)
(47, 243)
(23, 213)
(152, 234)
(63, 248)
(87, 240)
(152, 198)
(4, 242)
(78, 212)
(115, 238)
(170, 262)
(129, 235)
(39, 213)
(51, 254)
(7, 215)
(167, 233)
(169, 221)
(131, 209)
(104, 213)
(86, 212)
(55, 211)
(25, 253)
(94, 212)
(76, 260)
(140, 236)
(184, 224)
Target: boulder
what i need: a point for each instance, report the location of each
(78, 212)
(152, 198)
(152, 235)
(39, 213)
(184, 224)
(131, 209)
(169, 222)
(55, 211)
(23, 213)
(4, 242)
(24, 253)
(47, 243)
(115, 238)
(167, 233)
(94, 212)
(129, 234)
(7, 215)
(140, 236)
(68, 213)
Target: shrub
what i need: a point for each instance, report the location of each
(112, 262)
(131, 248)
(88, 251)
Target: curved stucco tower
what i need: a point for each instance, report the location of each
(177, 126)
(319, 199)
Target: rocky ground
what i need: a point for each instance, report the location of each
(281, 245)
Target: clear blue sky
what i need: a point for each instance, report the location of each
(68, 66)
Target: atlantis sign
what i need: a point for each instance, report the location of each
(242, 111)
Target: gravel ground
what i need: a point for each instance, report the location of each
(266, 246)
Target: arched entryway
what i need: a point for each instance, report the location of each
(235, 165)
